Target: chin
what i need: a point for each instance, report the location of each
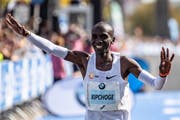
(101, 51)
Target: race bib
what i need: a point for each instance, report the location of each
(103, 96)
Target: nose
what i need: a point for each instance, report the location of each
(97, 41)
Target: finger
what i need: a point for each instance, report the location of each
(172, 57)
(161, 56)
(13, 20)
(8, 18)
(8, 23)
(167, 54)
(163, 53)
(9, 14)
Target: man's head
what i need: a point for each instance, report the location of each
(102, 37)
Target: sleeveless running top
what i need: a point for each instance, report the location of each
(107, 94)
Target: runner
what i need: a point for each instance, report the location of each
(104, 72)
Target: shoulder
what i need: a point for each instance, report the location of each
(81, 55)
(124, 59)
(77, 57)
(129, 65)
(129, 62)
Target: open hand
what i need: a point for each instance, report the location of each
(15, 26)
(165, 64)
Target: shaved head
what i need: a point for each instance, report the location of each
(105, 27)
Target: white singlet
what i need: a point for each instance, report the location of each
(107, 94)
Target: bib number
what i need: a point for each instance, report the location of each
(103, 96)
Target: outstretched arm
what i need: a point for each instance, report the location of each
(146, 77)
(76, 57)
(42, 43)
(46, 45)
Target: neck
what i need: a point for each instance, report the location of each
(104, 57)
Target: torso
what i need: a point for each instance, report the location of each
(121, 90)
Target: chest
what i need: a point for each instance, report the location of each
(109, 78)
(104, 91)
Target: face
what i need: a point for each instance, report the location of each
(102, 38)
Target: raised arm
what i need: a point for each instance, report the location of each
(164, 70)
(77, 57)
(40, 42)
(43, 43)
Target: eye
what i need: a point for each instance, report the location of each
(94, 36)
(103, 36)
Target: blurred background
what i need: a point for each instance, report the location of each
(37, 86)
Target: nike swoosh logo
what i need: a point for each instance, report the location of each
(102, 107)
(109, 77)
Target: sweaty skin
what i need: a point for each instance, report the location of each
(102, 39)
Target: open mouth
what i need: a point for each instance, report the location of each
(99, 46)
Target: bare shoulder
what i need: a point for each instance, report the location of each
(77, 57)
(81, 53)
(128, 61)
(129, 65)
(125, 60)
